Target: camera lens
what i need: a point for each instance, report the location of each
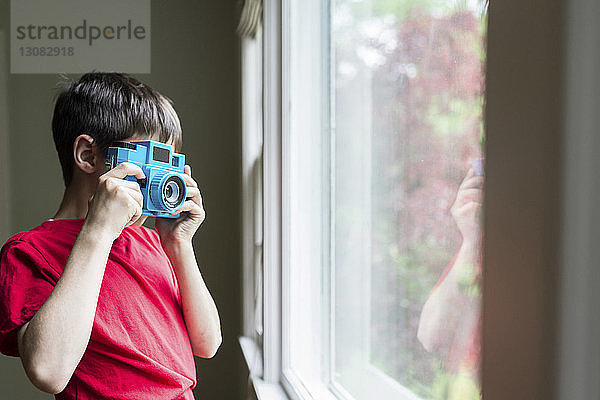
(173, 191)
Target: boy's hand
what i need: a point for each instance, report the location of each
(467, 208)
(182, 229)
(117, 203)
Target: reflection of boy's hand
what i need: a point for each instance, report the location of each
(466, 209)
(182, 229)
(117, 203)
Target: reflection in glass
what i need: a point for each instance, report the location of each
(408, 89)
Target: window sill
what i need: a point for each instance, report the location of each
(279, 391)
(262, 390)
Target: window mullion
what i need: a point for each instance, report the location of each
(273, 195)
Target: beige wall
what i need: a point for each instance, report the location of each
(522, 215)
(4, 160)
(195, 61)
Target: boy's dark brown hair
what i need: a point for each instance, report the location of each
(110, 107)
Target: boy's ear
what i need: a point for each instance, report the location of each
(85, 155)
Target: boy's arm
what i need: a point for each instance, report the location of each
(53, 342)
(448, 304)
(199, 309)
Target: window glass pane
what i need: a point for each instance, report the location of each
(408, 89)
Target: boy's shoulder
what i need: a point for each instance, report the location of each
(49, 229)
(62, 234)
(47, 247)
(48, 244)
(29, 236)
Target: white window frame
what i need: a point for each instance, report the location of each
(270, 375)
(264, 52)
(296, 387)
(327, 388)
(267, 362)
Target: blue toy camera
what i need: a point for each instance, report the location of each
(164, 188)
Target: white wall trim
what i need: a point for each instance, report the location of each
(579, 356)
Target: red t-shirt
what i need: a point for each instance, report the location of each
(139, 347)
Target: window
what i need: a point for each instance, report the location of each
(408, 90)
(381, 121)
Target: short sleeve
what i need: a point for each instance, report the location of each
(26, 281)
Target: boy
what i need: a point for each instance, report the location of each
(96, 305)
(450, 322)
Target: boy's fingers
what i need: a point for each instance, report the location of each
(125, 169)
(474, 182)
(193, 192)
(470, 208)
(114, 181)
(135, 203)
(195, 195)
(187, 206)
(467, 194)
(187, 170)
(469, 175)
(136, 195)
(136, 216)
(192, 207)
(189, 181)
